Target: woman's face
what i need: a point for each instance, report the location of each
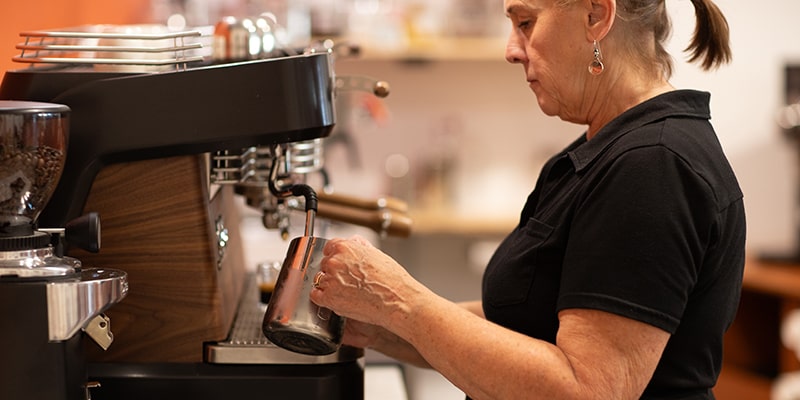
(550, 42)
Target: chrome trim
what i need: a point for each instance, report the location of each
(36, 263)
(71, 304)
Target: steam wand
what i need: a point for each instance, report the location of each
(294, 190)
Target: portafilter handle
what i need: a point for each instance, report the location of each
(381, 203)
(387, 216)
(384, 221)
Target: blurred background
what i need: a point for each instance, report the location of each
(461, 138)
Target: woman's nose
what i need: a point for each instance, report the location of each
(515, 52)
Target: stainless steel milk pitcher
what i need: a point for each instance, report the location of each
(292, 320)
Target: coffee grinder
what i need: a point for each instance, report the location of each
(47, 301)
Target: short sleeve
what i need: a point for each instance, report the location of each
(637, 238)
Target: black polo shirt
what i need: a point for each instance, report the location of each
(645, 220)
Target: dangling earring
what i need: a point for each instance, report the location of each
(596, 67)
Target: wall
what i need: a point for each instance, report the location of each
(17, 16)
(745, 99)
(495, 118)
(502, 137)
(483, 116)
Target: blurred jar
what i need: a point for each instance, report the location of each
(329, 17)
(291, 16)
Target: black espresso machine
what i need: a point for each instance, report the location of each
(162, 138)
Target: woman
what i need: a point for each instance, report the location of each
(625, 269)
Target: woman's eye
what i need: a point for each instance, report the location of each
(523, 24)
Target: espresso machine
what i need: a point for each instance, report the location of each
(48, 302)
(165, 138)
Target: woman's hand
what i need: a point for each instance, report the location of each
(358, 281)
(364, 335)
(370, 289)
(361, 334)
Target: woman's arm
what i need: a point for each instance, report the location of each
(364, 335)
(597, 355)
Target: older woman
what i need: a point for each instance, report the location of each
(625, 269)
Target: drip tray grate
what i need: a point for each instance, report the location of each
(247, 344)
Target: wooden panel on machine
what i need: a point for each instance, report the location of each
(159, 226)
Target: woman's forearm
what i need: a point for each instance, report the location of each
(395, 347)
(399, 349)
(475, 307)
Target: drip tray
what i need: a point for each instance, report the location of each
(247, 344)
(245, 366)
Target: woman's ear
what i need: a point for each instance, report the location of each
(601, 18)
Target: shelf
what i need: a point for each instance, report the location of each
(444, 222)
(753, 351)
(432, 49)
(778, 279)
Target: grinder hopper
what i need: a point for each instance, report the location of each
(45, 300)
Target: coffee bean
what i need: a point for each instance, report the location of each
(27, 178)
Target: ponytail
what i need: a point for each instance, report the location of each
(710, 41)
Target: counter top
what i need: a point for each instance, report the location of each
(384, 382)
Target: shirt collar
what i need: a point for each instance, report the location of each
(677, 103)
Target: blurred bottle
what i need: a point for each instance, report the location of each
(328, 17)
(294, 16)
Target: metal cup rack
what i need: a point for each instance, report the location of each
(153, 46)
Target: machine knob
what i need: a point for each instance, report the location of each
(363, 84)
(84, 232)
(222, 240)
(381, 89)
